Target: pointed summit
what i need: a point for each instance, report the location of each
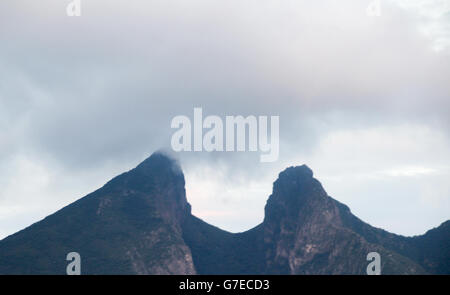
(294, 187)
(131, 225)
(157, 174)
(298, 178)
(162, 161)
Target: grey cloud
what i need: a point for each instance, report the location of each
(80, 93)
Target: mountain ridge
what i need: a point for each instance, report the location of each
(140, 222)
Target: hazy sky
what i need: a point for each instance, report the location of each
(363, 100)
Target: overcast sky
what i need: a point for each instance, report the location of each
(363, 100)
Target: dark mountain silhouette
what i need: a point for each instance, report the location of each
(141, 223)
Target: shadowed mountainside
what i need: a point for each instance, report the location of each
(141, 223)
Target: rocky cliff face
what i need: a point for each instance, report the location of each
(304, 232)
(141, 223)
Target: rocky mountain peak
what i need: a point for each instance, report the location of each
(299, 179)
(294, 188)
(297, 171)
(161, 161)
(155, 188)
(140, 222)
(154, 175)
(160, 168)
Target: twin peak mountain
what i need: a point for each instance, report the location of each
(141, 223)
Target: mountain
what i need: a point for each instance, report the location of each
(129, 226)
(141, 223)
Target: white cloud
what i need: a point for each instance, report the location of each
(433, 18)
(409, 171)
(392, 176)
(229, 204)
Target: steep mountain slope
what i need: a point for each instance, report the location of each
(140, 223)
(305, 232)
(131, 225)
